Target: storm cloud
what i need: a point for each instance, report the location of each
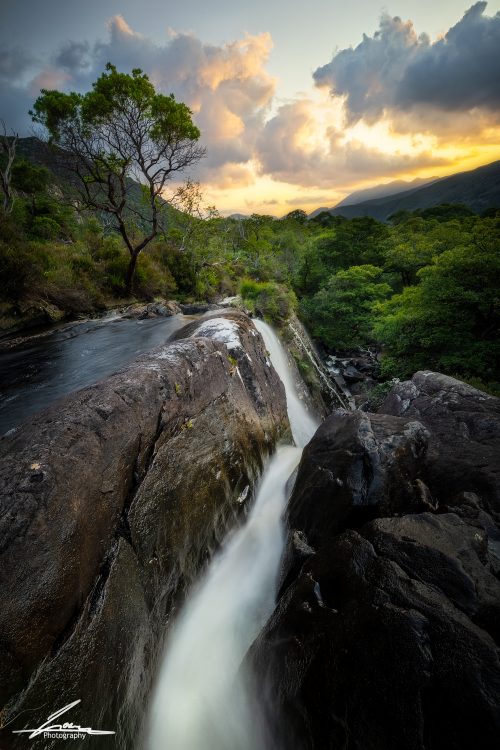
(397, 70)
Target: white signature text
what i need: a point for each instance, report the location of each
(61, 730)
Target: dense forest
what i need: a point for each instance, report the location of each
(423, 289)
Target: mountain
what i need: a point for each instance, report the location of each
(384, 191)
(478, 189)
(41, 153)
(318, 211)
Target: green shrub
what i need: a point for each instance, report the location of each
(271, 300)
(378, 394)
(15, 271)
(45, 228)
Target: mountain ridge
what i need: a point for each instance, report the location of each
(478, 189)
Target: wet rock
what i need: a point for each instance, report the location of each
(125, 486)
(349, 475)
(312, 377)
(198, 308)
(386, 636)
(352, 374)
(143, 311)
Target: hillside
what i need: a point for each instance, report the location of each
(41, 153)
(479, 189)
(384, 191)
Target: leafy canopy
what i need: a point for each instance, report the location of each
(340, 314)
(122, 129)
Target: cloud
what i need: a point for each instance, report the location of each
(401, 103)
(397, 71)
(14, 62)
(49, 78)
(16, 68)
(300, 147)
(74, 57)
(227, 86)
(460, 72)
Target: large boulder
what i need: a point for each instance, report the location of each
(386, 634)
(111, 501)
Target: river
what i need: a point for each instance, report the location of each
(203, 700)
(41, 369)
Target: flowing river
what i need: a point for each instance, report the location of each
(203, 701)
(40, 370)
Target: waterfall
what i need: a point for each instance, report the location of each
(201, 701)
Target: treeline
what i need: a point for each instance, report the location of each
(422, 289)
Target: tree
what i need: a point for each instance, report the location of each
(8, 153)
(29, 179)
(122, 130)
(451, 320)
(297, 215)
(340, 314)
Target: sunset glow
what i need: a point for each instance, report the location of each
(402, 101)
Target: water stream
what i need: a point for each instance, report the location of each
(42, 369)
(202, 699)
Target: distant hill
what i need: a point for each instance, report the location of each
(384, 191)
(40, 153)
(478, 189)
(319, 211)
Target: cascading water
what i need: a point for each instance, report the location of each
(201, 700)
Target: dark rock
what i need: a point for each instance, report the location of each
(143, 311)
(112, 499)
(296, 552)
(351, 374)
(464, 447)
(359, 654)
(348, 473)
(386, 635)
(198, 308)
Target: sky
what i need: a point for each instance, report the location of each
(299, 104)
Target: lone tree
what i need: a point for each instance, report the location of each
(120, 131)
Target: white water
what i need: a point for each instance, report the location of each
(302, 422)
(201, 700)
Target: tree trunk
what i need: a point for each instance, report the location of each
(129, 278)
(8, 148)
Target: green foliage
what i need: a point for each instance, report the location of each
(45, 227)
(451, 320)
(29, 178)
(298, 215)
(424, 289)
(272, 301)
(119, 130)
(341, 313)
